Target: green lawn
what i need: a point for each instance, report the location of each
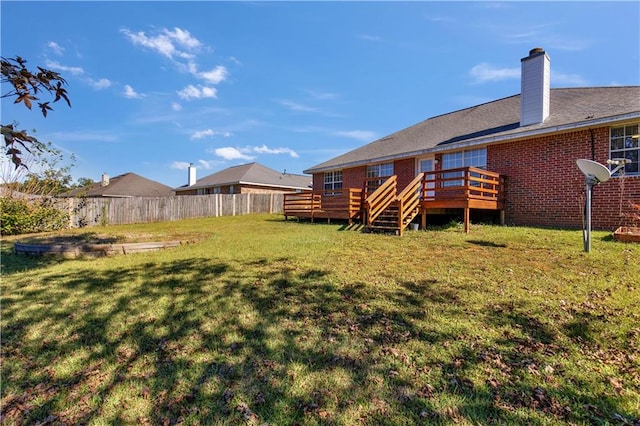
(261, 321)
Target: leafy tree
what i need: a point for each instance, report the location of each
(84, 182)
(26, 86)
(44, 172)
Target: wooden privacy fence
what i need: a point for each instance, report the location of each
(119, 211)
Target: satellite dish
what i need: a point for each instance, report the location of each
(594, 173)
(595, 170)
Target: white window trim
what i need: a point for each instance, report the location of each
(623, 150)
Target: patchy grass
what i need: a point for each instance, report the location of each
(267, 321)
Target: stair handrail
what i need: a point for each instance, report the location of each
(409, 199)
(380, 199)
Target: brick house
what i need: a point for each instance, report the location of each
(531, 140)
(244, 179)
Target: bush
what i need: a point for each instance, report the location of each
(22, 216)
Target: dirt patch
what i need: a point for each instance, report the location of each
(88, 238)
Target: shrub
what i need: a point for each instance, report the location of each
(22, 216)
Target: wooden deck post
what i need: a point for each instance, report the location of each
(466, 219)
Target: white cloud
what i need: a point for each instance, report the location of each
(202, 133)
(103, 83)
(568, 79)
(176, 106)
(57, 49)
(230, 153)
(130, 93)
(208, 164)
(193, 92)
(180, 165)
(205, 164)
(160, 44)
(361, 135)
(183, 37)
(215, 76)
(294, 106)
(322, 96)
(266, 150)
(208, 132)
(53, 65)
(177, 43)
(484, 72)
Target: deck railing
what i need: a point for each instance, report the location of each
(409, 199)
(464, 183)
(341, 203)
(301, 204)
(459, 187)
(349, 199)
(380, 199)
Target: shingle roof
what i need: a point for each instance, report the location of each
(125, 185)
(251, 174)
(493, 122)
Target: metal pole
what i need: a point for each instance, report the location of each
(587, 241)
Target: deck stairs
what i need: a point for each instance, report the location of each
(388, 212)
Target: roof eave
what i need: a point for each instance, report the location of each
(481, 141)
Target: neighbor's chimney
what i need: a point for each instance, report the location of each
(192, 175)
(535, 87)
(105, 179)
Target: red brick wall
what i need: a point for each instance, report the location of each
(354, 177)
(351, 178)
(255, 189)
(188, 192)
(405, 169)
(544, 187)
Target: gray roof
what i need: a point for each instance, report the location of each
(252, 174)
(125, 185)
(495, 121)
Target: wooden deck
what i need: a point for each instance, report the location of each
(387, 206)
(462, 188)
(344, 204)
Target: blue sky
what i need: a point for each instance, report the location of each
(155, 86)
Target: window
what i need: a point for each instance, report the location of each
(471, 158)
(476, 158)
(624, 143)
(380, 170)
(332, 182)
(374, 171)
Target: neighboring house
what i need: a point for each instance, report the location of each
(531, 140)
(123, 186)
(7, 192)
(247, 178)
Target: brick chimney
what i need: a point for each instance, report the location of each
(535, 87)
